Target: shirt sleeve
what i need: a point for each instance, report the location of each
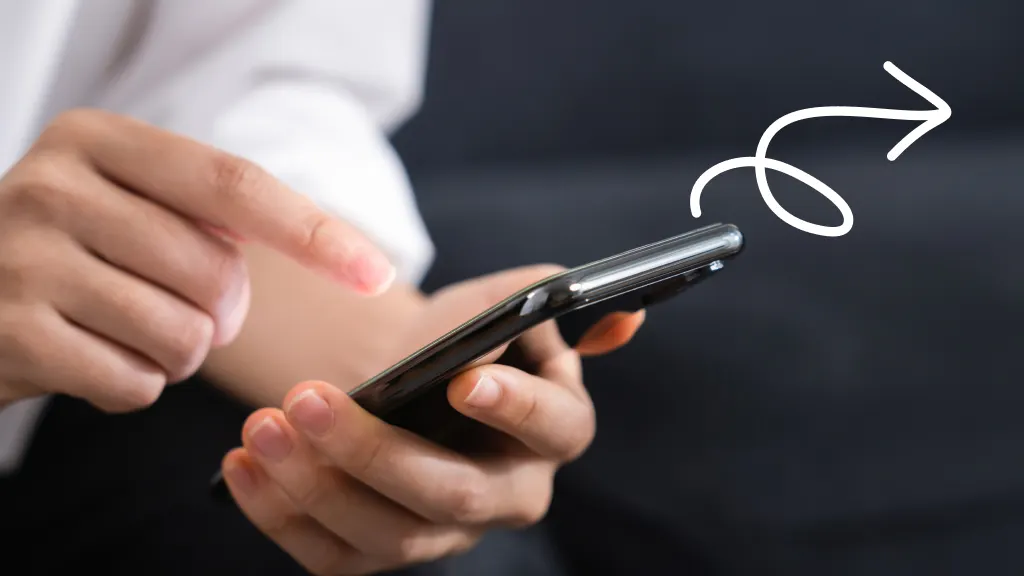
(322, 142)
(307, 89)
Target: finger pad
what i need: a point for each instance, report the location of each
(610, 333)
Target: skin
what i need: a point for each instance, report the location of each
(117, 275)
(131, 257)
(344, 493)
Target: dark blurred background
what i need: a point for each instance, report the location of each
(825, 405)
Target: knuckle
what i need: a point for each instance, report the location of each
(275, 524)
(325, 561)
(12, 389)
(186, 336)
(315, 231)
(533, 510)
(421, 544)
(467, 502)
(188, 346)
(71, 124)
(227, 273)
(572, 446)
(526, 408)
(143, 393)
(581, 437)
(274, 521)
(129, 393)
(233, 178)
(229, 266)
(42, 190)
(409, 546)
(309, 492)
(129, 301)
(587, 435)
(463, 545)
(363, 453)
(22, 340)
(27, 196)
(18, 280)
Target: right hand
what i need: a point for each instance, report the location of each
(343, 492)
(117, 268)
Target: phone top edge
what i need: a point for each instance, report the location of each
(681, 253)
(672, 240)
(546, 298)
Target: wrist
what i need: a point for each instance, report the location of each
(302, 327)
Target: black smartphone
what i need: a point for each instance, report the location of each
(413, 393)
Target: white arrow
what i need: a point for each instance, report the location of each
(929, 119)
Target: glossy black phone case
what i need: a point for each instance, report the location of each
(413, 393)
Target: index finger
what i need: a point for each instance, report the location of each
(228, 192)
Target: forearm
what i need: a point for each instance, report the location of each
(303, 327)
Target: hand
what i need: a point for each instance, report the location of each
(118, 269)
(343, 492)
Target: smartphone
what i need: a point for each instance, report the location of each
(413, 393)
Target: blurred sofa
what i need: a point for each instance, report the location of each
(826, 405)
(841, 406)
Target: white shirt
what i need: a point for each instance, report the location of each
(308, 89)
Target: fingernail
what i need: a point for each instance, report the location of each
(241, 477)
(270, 441)
(353, 261)
(373, 272)
(311, 413)
(485, 394)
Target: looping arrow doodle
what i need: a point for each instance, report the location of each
(761, 163)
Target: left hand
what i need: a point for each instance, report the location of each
(343, 492)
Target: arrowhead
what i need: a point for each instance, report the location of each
(932, 118)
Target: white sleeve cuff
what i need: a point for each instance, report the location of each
(323, 143)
